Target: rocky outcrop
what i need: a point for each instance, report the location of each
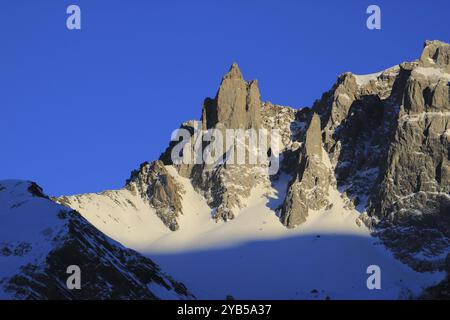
(436, 54)
(358, 115)
(155, 184)
(236, 106)
(418, 159)
(413, 196)
(387, 135)
(309, 188)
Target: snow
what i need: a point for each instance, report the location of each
(255, 257)
(121, 215)
(25, 222)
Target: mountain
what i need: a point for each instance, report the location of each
(389, 140)
(40, 239)
(360, 178)
(363, 179)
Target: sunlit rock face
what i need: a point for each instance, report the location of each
(237, 104)
(309, 189)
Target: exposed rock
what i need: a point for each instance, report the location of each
(185, 168)
(224, 185)
(153, 182)
(291, 125)
(36, 190)
(309, 188)
(313, 140)
(387, 135)
(415, 185)
(237, 103)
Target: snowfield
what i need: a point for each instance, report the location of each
(26, 228)
(39, 239)
(254, 256)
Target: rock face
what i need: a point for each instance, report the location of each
(359, 116)
(39, 239)
(159, 188)
(387, 135)
(236, 106)
(436, 54)
(414, 187)
(417, 176)
(309, 188)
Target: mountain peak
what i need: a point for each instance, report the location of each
(234, 72)
(236, 105)
(436, 54)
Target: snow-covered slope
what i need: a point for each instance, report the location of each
(27, 224)
(40, 239)
(255, 257)
(121, 215)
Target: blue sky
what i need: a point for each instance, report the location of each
(81, 109)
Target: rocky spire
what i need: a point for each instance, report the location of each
(313, 141)
(236, 105)
(309, 188)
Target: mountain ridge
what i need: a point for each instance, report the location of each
(370, 156)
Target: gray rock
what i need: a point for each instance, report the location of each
(309, 188)
(436, 53)
(388, 139)
(417, 165)
(159, 188)
(237, 104)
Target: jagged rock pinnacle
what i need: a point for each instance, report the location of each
(234, 72)
(237, 103)
(313, 141)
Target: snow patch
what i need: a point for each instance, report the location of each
(120, 215)
(434, 73)
(363, 80)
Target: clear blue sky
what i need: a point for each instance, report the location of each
(81, 109)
